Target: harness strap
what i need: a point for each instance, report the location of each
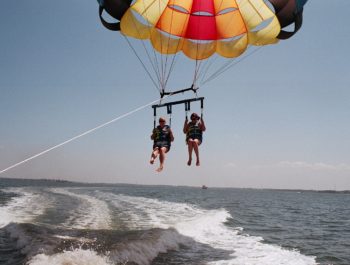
(187, 108)
(154, 117)
(169, 112)
(202, 108)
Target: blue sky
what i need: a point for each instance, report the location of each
(277, 119)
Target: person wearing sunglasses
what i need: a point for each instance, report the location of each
(162, 137)
(194, 136)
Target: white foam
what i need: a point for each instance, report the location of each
(141, 251)
(23, 208)
(75, 257)
(79, 239)
(208, 227)
(91, 213)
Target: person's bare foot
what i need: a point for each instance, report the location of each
(159, 169)
(198, 163)
(189, 161)
(153, 157)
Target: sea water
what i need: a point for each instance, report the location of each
(48, 222)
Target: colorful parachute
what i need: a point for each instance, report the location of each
(228, 25)
(202, 28)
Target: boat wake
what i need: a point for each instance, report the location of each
(94, 226)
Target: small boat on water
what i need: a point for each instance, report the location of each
(204, 187)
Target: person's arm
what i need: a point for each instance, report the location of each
(153, 134)
(171, 135)
(202, 125)
(185, 126)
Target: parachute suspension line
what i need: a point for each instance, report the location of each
(229, 65)
(231, 62)
(78, 136)
(210, 62)
(207, 65)
(172, 65)
(153, 62)
(234, 61)
(143, 65)
(197, 69)
(163, 61)
(161, 56)
(173, 61)
(195, 77)
(204, 68)
(167, 72)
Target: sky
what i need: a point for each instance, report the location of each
(279, 118)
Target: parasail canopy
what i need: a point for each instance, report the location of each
(201, 29)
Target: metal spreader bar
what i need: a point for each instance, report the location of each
(169, 105)
(192, 88)
(185, 101)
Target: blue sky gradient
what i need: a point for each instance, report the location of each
(277, 119)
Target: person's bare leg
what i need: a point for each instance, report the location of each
(196, 150)
(154, 155)
(162, 152)
(190, 149)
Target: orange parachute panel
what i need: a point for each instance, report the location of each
(201, 28)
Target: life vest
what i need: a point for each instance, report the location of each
(162, 136)
(194, 132)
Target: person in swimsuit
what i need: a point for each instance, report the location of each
(162, 137)
(194, 136)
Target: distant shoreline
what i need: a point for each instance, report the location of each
(14, 182)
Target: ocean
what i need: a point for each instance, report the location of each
(65, 223)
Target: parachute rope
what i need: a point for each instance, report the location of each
(232, 62)
(154, 63)
(173, 62)
(229, 65)
(165, 75)
(78, 136)
(143, 65)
